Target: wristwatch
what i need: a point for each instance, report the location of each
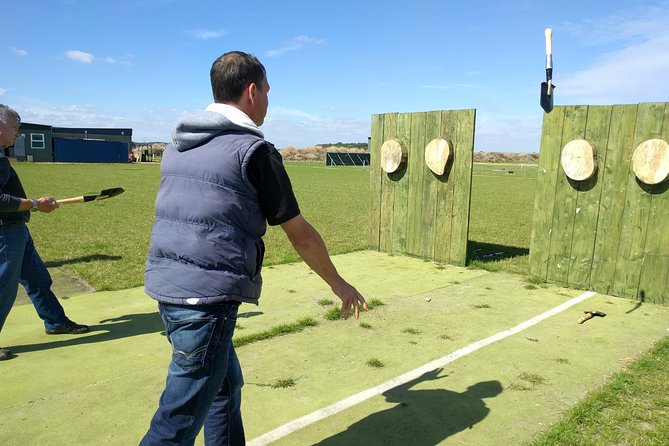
(34, 206)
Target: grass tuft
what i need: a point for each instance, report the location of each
(374, 303)
(283, 383)
(333, 314)
(376, 363)
(532, 378)
(278, 330)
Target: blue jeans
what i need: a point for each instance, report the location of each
(204, 378)
(20, 263)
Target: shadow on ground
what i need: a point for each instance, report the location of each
(107, 330)
(83, 259)
(422, 417)
(487, 252)
(65, 284)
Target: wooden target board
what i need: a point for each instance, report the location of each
(609, 232)
(414, 210)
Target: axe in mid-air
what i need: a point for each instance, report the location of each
(106, 193)
(547, 87)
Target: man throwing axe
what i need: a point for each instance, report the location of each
(221, 184)
(19, 261)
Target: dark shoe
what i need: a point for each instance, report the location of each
(68, 328)
(5, 354)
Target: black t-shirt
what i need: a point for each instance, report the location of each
(268, 175)
(11, 192)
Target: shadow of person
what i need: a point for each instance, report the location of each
(107, 330)
(421, 417)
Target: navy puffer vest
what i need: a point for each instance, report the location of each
(206, 244)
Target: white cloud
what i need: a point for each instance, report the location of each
(636, 73)
(290, 113)
(3, 91)
(633, 73)
(80, 56)
(290, 127)
(641, 24)
(19, 51)
(206, 34)
(146, 126)
(447, 86)
(294, 44)
(123, 61)
(515, 134)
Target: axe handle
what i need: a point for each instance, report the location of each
(549, 48)
(585, 317)
(71, 200)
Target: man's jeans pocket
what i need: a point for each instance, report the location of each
(191, 339)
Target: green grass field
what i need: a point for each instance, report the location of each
(105, 243)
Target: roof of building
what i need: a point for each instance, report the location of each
(77, 130)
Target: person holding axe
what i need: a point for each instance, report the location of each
(19, 260)
(221, 184)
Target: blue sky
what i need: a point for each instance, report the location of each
(331, 64)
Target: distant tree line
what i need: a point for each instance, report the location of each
(348, 145)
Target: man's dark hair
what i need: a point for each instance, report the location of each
(232, 73)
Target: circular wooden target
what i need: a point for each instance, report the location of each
(578, 160)
(650, 161)
(393, 154)
(437, 154)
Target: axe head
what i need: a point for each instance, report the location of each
(108, 193)
(546, 100)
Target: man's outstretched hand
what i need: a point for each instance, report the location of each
(350, 297)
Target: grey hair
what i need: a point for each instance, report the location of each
(6, 111)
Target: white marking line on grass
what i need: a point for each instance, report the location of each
(352, 400)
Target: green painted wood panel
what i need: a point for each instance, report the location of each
(417, 212)
(461, 185)
(387, 190)
(611, 230)
(544, 200)
(445, 201)
(565, 202)
(588, 199)
(375, 172)
(612, 203)
(401, 179)
(637, 209)
(655, 262)
(415, 172)
(429, 196)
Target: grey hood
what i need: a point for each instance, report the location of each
(194, 129)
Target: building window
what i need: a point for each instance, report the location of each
(37, 141)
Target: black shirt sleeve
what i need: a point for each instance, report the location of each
(267, 174)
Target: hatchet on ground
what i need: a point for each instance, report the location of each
(104, 194)
(589, 315)
(546, 99)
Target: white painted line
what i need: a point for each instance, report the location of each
(352, 400)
